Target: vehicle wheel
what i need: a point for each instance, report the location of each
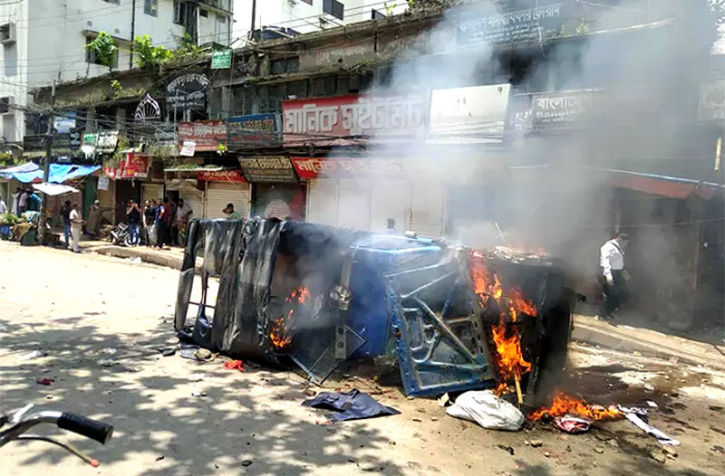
(127, 241)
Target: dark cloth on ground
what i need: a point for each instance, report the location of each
(352, 405)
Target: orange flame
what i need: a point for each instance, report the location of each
(511, 362)
(279, 335)
(565, 404)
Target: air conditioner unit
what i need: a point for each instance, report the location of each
(7, 34)
(6, 105)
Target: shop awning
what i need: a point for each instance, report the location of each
(194, 169)
(59, 173)
(7, 173)
(662, 185)
(53, 189)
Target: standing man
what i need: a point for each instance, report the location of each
(183, 215)
(76, 222)
(65, 216)
(3, 207)
(613, 278)
(134, 222)
(160, 223)
(16, 200)
(230, 213)
(149, 216)
(23, 202)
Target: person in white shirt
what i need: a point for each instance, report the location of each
(16, 199)
(23, 202)
(3, 207)
(614, 289)
(76, 228)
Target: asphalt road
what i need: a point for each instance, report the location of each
(80, 310)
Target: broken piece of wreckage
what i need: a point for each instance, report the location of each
(455, 318)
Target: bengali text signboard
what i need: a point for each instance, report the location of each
(253, 130)
(268, 169)
(207, 135)
(524, 26)
(347, 167)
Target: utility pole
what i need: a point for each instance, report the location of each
(254, 17)
(46, 167)
(133, 32)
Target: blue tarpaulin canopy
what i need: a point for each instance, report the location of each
(59, 173)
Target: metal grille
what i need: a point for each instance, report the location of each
(321, 357)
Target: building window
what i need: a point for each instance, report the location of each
(204, 13)
(91, 55)
(179, 12)
(5, 105)
(334, 8)
(290, 65)
(7, 33)
(151, 7)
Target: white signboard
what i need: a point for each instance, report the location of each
(102, 183)
(477, 113)
(188, 148)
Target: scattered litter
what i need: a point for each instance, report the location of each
(657, 456)
(572, 425)
(131, 369)
(637, 353)
(649, 387)
(418, 420)
(488, 410)
(31, 355)
(507, 449)
(159, 458)
(351, 405)
(670, 452)
(716, 408)
(167, 351)
(108, 362)
(718, 449)
(136, 260)
(433, 418)
(547, 454)
(234, 364)
(444, 400)
(197, 377)
(599, 450)
(49, 397)
(198, 394)
(44, 380)
(652, 404)
(188, 351)
(108, 351)
(650, 430)
(536, 443)
(246, 463)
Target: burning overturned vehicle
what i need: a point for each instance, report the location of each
(454, 318)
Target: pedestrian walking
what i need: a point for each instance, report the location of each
(230, 213)
(614, 277)
(65, 217)
(149, 216)
(76, 221)
(160, 222)
(134, 222)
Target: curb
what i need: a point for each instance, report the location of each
(146, 257)
(617, 340)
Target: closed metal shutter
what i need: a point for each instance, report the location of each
(322, 202)
(427, 213)
(219, 194)
(353, 205)
(390, 199)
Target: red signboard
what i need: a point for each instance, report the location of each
(325, 120)
(133, 166)
(221, 176)
(313, 167)
(206, 134)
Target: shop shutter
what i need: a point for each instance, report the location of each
(151, 191)
(353, 204)
(219, 194)
(322, 202)
(390, 199)
(427, 213)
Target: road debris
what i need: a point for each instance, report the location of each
(198, 394)
(44, 380)
(572, 425)
(351, 405)
(31, 355)
(650, 430)
(536, 443)
(444, 400)
(508, 449)
(197, 377)
(488, 410)
(108, 362)
(246, 463)
(234, 364)
(657, 456)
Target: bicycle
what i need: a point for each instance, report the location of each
(23, 420)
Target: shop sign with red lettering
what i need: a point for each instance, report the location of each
(207, 135)
(221, 176)
(313, 167)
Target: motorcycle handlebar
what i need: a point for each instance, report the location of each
(96, 430)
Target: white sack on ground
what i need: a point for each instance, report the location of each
(488, 410)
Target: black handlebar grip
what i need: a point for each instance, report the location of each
(96, 430)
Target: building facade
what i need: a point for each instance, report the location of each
(44, 41)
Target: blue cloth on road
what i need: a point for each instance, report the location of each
(352, 405)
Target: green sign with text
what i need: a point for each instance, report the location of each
(221, 59)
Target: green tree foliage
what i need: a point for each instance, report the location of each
(148, 56)
(104, 48)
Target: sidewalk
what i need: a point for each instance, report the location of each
(645, 341)
(171, 258)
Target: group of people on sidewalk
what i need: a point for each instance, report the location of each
(23, 201)
(164, 222)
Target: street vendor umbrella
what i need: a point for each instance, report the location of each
(54, 189)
